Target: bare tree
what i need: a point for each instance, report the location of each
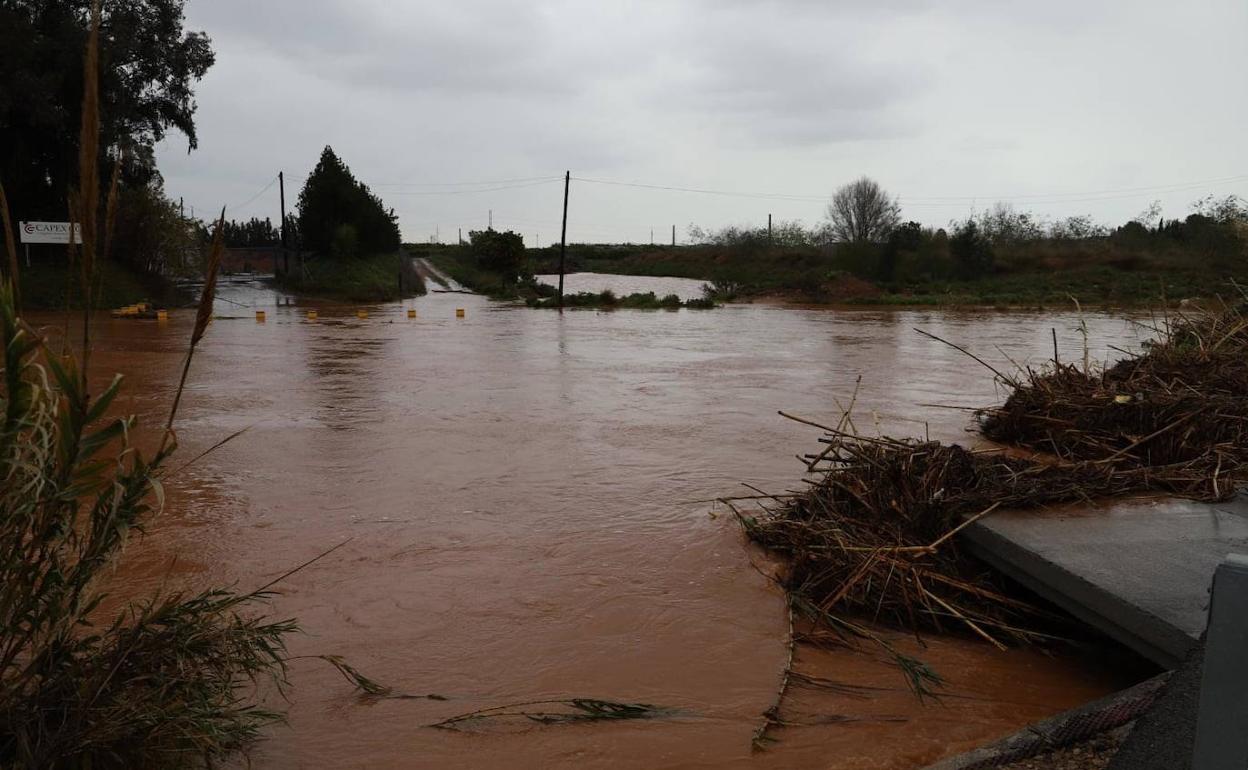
(861, 211)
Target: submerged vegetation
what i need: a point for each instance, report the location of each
(553, 712)
(607, 300)
(875, 540)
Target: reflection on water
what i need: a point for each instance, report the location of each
(512, 489)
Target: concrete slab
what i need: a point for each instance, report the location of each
(1139, 570)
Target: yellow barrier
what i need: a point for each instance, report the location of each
(411, 312)
(260, 316)
(312, 315)
(361, 314)
(459, 312)
(162, 315)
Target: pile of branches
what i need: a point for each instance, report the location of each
(874, 538)
(1178, 410)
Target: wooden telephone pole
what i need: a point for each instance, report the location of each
(563, 238)
(281, 186)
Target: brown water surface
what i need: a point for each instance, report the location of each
(512, 490)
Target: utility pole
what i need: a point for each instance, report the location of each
(563, 238)
(491, 219)
(460, 238)
(651, 236)
(281, 186)
(181, 208)
(769, 229)
(673, 235)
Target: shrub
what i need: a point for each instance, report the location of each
(971, 250)
(499, 252)
(721, 289)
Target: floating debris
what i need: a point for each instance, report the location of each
(874, 539)
(560, 711)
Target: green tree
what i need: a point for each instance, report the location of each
(972, 251)
(501, 253)
(331, 199)
(148, 67)
(903, 240)
(151, 235)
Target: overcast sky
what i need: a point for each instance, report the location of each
(1063, 106)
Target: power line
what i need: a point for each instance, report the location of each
(959, 200)
(255, 197)
(470, 184)
(702, 191)
(482, 190)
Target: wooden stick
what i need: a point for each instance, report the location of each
(963, 525)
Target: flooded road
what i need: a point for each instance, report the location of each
(511, 488)
(623, 285)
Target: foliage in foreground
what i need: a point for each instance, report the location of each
(165, 681)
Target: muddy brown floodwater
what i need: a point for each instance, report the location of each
(512, 489)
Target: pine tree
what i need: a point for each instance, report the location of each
(339, 216)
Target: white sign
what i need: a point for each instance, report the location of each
(49, 232)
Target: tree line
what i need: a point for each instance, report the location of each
(149, 66)
(863, 230)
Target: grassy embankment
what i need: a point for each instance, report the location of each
(361, 279)
(48, 284)
(459, 263)
(1031, 275)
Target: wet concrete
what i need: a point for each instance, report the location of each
(1139, 570)
(1164, 738)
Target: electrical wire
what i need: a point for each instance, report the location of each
(471, 184)
(544, 181)
(255, 197)
(957, 200)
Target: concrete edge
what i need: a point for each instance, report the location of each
(1130, 625)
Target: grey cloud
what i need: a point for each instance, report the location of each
(777, 95)
(473, 47)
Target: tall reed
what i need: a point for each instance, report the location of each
(10, 247)
(169, 681)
